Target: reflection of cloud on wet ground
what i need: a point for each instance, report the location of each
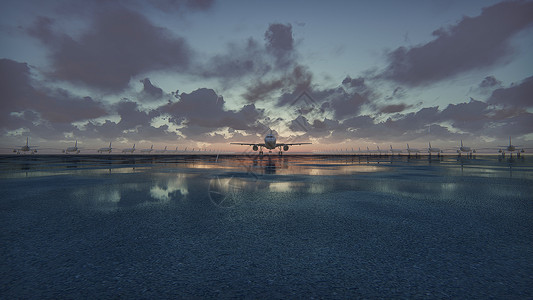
(105, 198)
(166, 186)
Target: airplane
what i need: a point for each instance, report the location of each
(147, 150)
(270, 144)
(105, 149)
(511, 148)
(465, 149)
(26, 148)
(412, 150)
(74, 149)
(174, 151)
(433, 149)
(395, 150)
(130, 150)
(161, 151)
(373, 151)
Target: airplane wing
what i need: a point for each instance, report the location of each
(293, 144)
(248, 144)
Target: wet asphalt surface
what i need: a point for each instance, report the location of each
(276, 228)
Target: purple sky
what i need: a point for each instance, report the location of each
(339, 74)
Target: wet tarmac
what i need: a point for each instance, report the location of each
(208, 226)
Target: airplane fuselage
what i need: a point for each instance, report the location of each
(465, 149)
(71, 149)
(270, 142)
(412, 150)
(130, 150)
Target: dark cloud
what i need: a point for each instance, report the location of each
(150, 91)
(19, 95)
(280, 43)
(121, 43)
(202, 112)
(131, 116)
(134, 124)
(254, 60)
(239, 60)
(295, 81)
(356, 82)
(518, 95)
(473, 43)
(346, 105)
(393, 108)
(490, 82)
(316, 128)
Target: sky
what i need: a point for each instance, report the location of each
(338, 74)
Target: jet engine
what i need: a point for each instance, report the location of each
(255, 147)
(285, 148)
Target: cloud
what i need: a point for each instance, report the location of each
(134, 124)
(120, 44)
(202, 112)
(179, 5)
(473, 43)
(238, 61)
(394, 108)
(490, 82)
(150, 91)
(255, 61)
(296, 80)
(518, 95)
(19, 95)
(280, 43)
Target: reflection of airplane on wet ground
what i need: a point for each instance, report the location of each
(105, 149)
(129, 150)
(26, 148)
(74, 149)
(270, 144)
(511, 148)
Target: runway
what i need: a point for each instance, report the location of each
(296, 226)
